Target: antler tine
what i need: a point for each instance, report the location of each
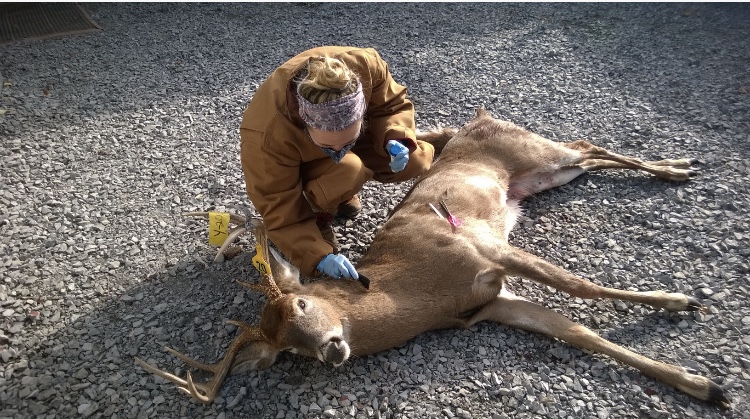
(234, 218)
(267, 284)
(239, 220)
(246, 211)
(207, 392)
(259, 230)
(267, 287)
(228, 241)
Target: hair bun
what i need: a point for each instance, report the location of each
(327, 79)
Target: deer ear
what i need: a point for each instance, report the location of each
(283, 271)
(482, 113)
(257, 355)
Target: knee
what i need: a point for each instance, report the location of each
(339, 183)
(351, 163)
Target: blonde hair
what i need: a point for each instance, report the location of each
(327, 79)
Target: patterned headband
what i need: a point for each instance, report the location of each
(334, 115)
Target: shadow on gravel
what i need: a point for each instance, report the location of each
(186, 307)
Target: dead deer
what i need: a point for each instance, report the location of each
(463, 210)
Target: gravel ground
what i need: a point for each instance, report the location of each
(107, 137)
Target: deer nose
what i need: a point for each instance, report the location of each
(335, 351)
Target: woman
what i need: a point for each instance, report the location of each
(323, 124)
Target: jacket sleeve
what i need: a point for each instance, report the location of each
(274, 186)
(391, 117)
(390, 114)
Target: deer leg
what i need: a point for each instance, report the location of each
(598, 158)
(591, 158)
(594, 164)
(529, 184)
(438, 138)
(522, 314)
(516, 262)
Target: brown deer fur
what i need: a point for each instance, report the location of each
(428, 274)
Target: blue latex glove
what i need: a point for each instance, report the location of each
(399, 155)
(337, 266)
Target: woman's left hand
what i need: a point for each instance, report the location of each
(399, 155)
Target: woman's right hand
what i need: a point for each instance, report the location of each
(337, 266)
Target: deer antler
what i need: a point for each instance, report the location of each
(233, 218)
(267, 284)
(207, 392)
(239, 220)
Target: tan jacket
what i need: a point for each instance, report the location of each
(274, 146)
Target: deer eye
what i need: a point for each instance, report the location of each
(301, 304)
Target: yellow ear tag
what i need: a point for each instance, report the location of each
(218, 223)
(260, 264)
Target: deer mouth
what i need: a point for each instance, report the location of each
(335, 350)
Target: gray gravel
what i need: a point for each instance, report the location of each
(140, 123)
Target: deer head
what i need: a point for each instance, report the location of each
(305, 325)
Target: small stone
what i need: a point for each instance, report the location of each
(190, 336)
(314, 408)
(24, 392)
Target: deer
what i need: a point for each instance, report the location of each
(462, 210)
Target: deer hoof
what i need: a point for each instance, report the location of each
(693, 305)
(717, 396)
